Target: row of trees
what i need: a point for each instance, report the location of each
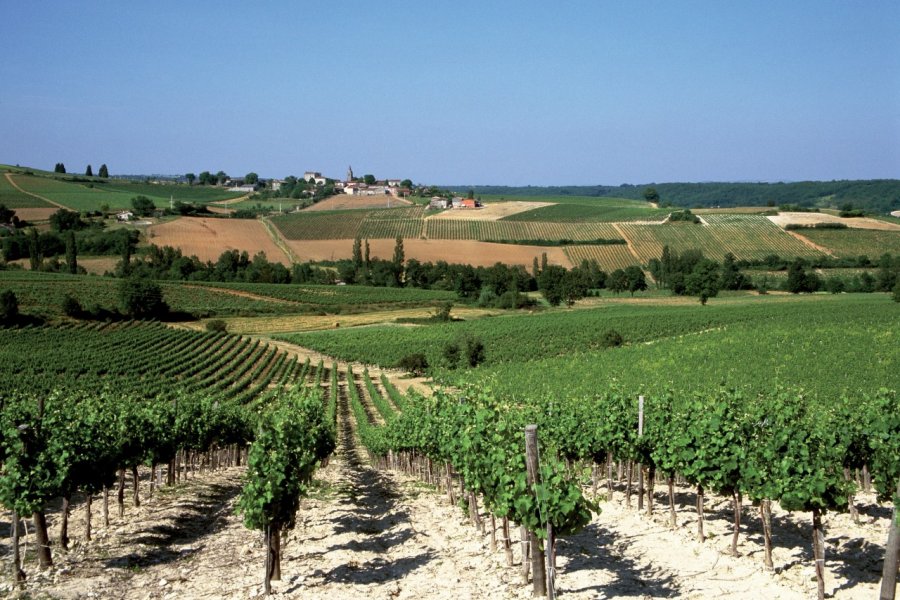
(89, 171)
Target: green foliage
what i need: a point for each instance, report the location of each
(143, 205)
(416, 363)
(9, 307)
(216, 325)
(142, 299)
(292, 438)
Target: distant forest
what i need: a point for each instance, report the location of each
(875, 195)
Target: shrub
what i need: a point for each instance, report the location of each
(9, 307)
(216, 325)
(611, 339)
(416, 364)
(71, 307)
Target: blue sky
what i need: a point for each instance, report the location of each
(515, 93)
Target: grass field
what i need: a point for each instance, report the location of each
(855, 242)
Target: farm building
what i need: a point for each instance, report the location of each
(439, 203)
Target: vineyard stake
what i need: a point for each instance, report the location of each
(537, 553)
(891, 556)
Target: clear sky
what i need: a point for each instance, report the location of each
(482, 92)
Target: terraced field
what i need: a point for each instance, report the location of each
(749, 237)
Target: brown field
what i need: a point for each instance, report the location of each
(35, 214)
(489, 212)
(99, 265)
(293, 323)
(347, 202)
(477, 254)
(803, 218)
(208, 238)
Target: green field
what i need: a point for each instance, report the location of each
(90, 195)
(855, 242)
(13, 198)
(585, 209)
(525, 337)
(827, 348)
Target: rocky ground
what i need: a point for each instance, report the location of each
(371, 534)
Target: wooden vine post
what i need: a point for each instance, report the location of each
(537, 553)
(640, 467)
(891, 556)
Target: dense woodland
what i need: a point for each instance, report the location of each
(876, 195)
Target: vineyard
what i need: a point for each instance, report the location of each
(447, 229)
(594, 209)
(748, 237)
(708, 437)
(91, 194)
(855, 242)
(12, 197)
(608, 256)
(522, 338)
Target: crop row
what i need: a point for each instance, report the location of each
(749, 237)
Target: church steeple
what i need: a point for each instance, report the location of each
(349, 174)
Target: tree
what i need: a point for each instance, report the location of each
(221, 177)
(551, 283)
(71, 253)
(896, 292)
(634, 276)
(206, 178)
(59, 168)
(104, 172)
(34, 250)
(89, 172)
(470, 194)
(142, 299)
(369, 179)
(6, 214)
(357, 254)
(143, 205)
(9, 307)
(732, 278)
(397, 261)
(190, 178)
(651, 195)
(703, 281)
(66, 220)
(618, 281)
(251, 178)
(406, 183)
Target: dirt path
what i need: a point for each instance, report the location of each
(13, 183)
(810, 243)
(232, 200)
(279, 241)
(243, 294)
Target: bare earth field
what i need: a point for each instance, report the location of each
(489, 212)
(471, 252)
(208, 238)
(803, 218)
(35, 214)
(348, 202)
